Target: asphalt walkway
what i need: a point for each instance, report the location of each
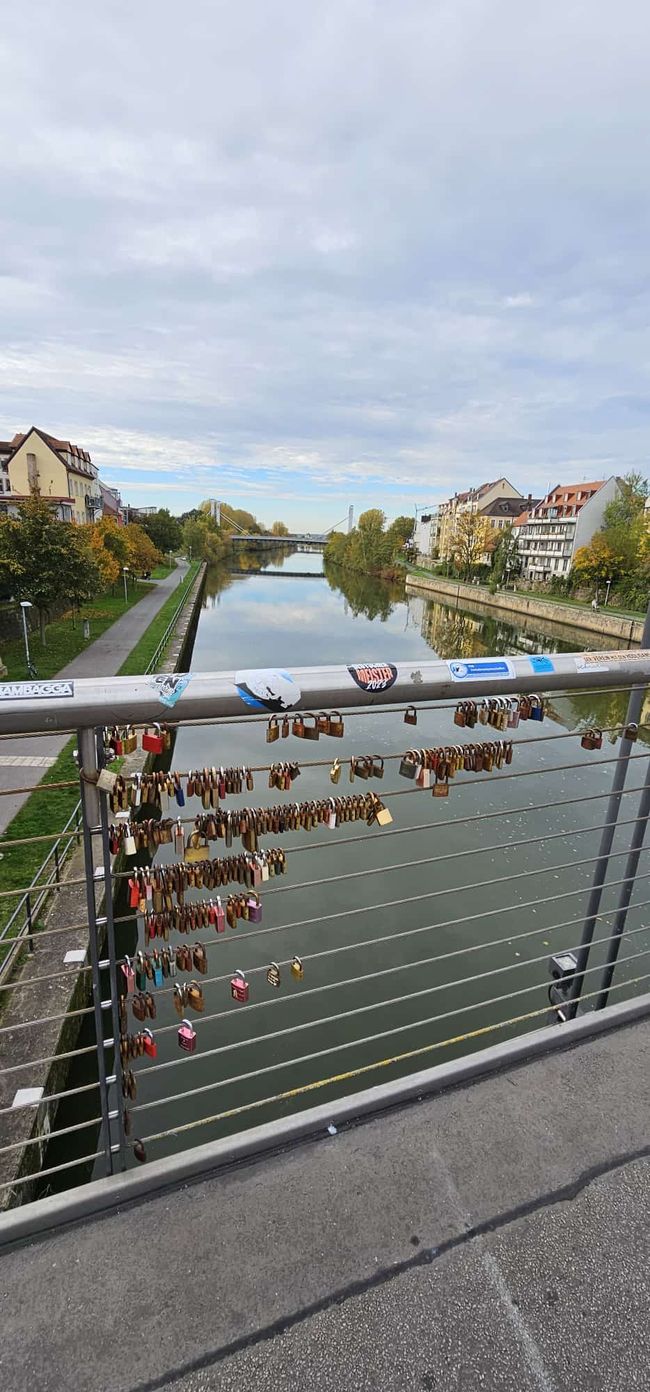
(493, 1237)
(103, 658)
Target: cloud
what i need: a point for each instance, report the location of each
(362, 253)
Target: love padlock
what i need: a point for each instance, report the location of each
(150, 1046)
(254, 908)
(153, 743)
(187, 1037)
(239, 987)
(129, 975)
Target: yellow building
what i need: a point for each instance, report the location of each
(61, 473)
(475, 500)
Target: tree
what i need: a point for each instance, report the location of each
(141, 553)
(506, 560)
(599, 561)
(471, 539)
(279, 529)
(47, 561)
(163, 530)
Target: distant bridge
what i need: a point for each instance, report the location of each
(303, 539)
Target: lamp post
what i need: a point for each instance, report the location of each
(608, 583)
(125, 571)
(25, 604)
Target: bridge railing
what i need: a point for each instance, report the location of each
(460, 861)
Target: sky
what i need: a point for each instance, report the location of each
(299, 256)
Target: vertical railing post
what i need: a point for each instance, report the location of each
(57, 867)
(631, 867)
(30, 925)
(114, 985)
(634, 708)
(88, 769)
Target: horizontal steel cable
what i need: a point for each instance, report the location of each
(442, 986)
(64, 1131)
(55, 1169)
(366, 1068)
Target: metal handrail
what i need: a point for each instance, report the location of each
(29, 906)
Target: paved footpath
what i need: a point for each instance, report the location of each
(23, 761)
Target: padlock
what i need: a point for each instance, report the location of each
(631, 732)
(239, 987)
(323, 723)
(129, 975)
(139, 1152)
(219, 917)
(153, 743)
(187, 1037)
(254, 908)
(536, 708)
(129, 845)
(409, 765)
(331, 815)
(513, 716)
(140, 972)
(363, 767)
(382, 815)
(297, 969)
(460, 714)
(194, 996)
(410, 716)
(335, 772)
(336, 726)
(106, 781)
(376, 766)
(310, 732)
(272, 730)
(298, 727)
(150, 1046)
(129, 740)
(273, 974)
(157, 970)
(117, 743)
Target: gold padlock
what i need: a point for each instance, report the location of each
(297, 969)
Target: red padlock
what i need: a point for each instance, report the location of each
(129, 975)
(187, 1037)
(153, 743)
(150, 1046)
(217, 916)
(254, 908)
(239, 987)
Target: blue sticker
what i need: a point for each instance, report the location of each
(170, 687)
(541, 665)
(476, 668)
(268, 688)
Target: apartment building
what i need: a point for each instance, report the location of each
(425, 534)
(475, 500)
(566, 519)
(59, 471)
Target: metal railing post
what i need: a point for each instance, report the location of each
(634, 708)
(113, 982)
(30, 925)
(631, 867)
(57, 867)
(88, 768)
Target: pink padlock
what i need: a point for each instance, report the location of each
(239, 987)
(254, 908)
(187, 1037)
(219, 916)
(150, 1046)
(129, 975)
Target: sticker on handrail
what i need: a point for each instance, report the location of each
(374, 676)
(170, 687)
(541, 665)
(602, 661)
(476, 668)
(35, 690)
(267, 689)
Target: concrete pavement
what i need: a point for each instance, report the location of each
(495, 1236)
(103, 658)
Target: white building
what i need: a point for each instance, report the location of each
(565, 520)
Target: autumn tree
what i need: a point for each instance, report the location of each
(599, 561)
(45, 560)
(279, 529)
(141, 553)
(472, 539)
(163, 530)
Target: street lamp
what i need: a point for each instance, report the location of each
(608, 583)
(125, 571)
(25, 604)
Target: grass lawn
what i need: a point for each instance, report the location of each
(65, 642)
(44, 810)
(139, 659)
(162, 571)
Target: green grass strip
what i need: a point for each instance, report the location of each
(138, 660)
(65, 642)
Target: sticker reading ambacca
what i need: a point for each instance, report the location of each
(35, 690)
(374, 676)
(268, 688)
(603, 661)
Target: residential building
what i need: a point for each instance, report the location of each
(475, 500)
(566, 519)
(503, 512)
(425, 535)
(60, 472)
(111, 504)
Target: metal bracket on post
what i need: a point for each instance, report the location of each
(634, 708)
(90, 807)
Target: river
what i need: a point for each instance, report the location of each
(492, 869)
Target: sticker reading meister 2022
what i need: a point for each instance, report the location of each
(374, 676)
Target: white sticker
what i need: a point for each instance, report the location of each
(35, 690)
(603, 661)
(268, 688)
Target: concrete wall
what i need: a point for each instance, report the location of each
(602, 623)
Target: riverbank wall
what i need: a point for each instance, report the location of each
(528, 606)
(45, 991)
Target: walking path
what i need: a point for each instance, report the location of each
(103, 658)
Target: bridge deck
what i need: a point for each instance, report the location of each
(490, 1237)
